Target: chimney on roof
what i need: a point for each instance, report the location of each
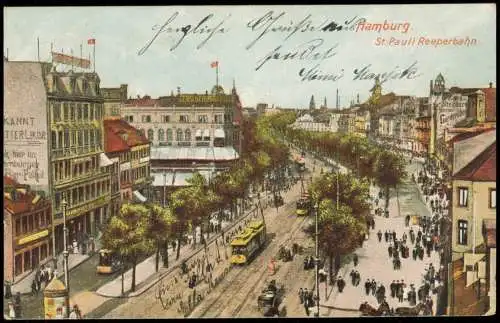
(491, 85)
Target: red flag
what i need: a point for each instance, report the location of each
(214, 64)
(91, 41)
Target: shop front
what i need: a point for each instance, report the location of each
(32, 251)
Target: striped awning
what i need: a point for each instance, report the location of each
(139, 197)
(219, 133)
(104, 160)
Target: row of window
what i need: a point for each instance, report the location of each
(63, 170)
(463, 197)
(134, 174)
(180, 135)
(203, 118)
(76, 111)
(32, 223)
(76, 138)
(83, 193)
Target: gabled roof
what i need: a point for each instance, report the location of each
(115, 129)
(481, 168)
(17, 198)
(465, 151)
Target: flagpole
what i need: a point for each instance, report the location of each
(217, 77)
(94, 56)
(81, 57)
(38, 47)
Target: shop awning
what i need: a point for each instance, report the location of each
(198, 133)
(206, 133)
(180, 178)
(139, 196)
(163, 179)
(219, 133)
(104, 160)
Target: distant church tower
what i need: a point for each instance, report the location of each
(376, 92)
(435, 99)
(312, 105)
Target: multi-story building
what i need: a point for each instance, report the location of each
(187, 120)
(473, 205)
(389, 126)
(27, 230)
(347, 122)
(69, 107)
(362, 122)
(114, 100)
(306, 122)
(132, 149)
(447, 109)
(423, 134)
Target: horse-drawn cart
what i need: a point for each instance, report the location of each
(270, 300)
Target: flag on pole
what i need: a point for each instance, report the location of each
(214, 64)
(91, 41)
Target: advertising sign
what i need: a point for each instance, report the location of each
(25, 125)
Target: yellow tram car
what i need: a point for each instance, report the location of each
(303, 205)
(246, 245)
(108, 262)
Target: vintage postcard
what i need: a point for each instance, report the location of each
(249, 161)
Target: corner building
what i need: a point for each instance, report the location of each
(69, 161)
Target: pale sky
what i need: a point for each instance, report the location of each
(121, 32)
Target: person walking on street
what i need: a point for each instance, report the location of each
(407, 220)
(340, 284)
(301, 295)
(34, 290)
(357, 278)
(394, 235)
(389, 249)
(353, 277)
(379, 235)
(75, 313)
(373, 286)
(393, 289)
(367, 287)
(355, 260)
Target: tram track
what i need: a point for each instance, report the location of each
(244, 280)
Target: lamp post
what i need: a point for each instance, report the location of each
(65, 253)
(316, 207)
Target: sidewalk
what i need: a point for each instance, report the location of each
(374, 263)
(146, 269)
(74, 260)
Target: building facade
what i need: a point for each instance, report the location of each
(187, 120)
(447, 109)
(70, 106)
(114, 100)
(473, 206)
(132, 150)
(27, 230)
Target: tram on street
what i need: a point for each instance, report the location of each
(246, 244)
(303, 205)
(108, 262)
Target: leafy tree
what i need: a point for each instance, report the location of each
(389, 171)
(339, 232)
(159, 229)
(126, 234)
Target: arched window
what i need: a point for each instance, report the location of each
(54, 140)
(179, 135)
(170, 135)
(161, 135)
(187, 135)
(142, 132)
(150, 134)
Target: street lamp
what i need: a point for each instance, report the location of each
(316, 206)
(65, 253)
